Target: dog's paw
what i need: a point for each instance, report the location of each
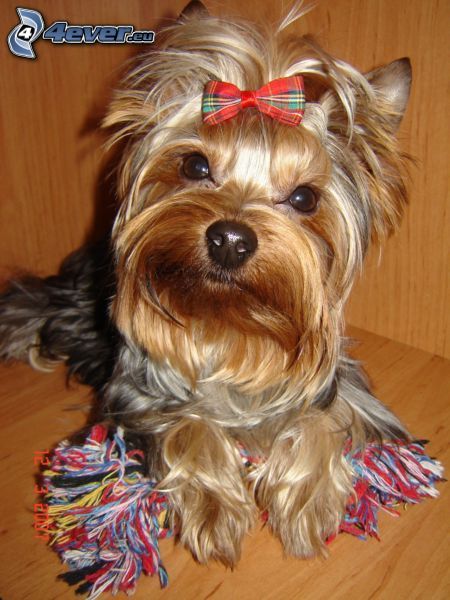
(303, 524)
(304, 532)
(214, 532)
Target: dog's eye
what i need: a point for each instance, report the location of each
(304, 199)
(195, 166)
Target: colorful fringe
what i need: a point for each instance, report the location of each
(388, 476)
(104, 517)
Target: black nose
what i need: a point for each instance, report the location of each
(230, 243)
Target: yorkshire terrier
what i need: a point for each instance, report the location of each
(256, 171)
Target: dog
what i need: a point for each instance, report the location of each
(256, 170)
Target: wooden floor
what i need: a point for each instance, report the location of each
(411, 561)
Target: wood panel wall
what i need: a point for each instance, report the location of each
(54, 193)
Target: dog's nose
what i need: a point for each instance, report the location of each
(230, 243)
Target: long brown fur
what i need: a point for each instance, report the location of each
(269, 332)
(211, 356)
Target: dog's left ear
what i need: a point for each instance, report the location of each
(392, 84)
(195, 9)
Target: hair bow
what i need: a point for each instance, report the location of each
(281, 99)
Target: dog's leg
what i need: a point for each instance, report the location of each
(305, 483)
(197, 462)
(377, 422)
(23, 312)
(63, 318)
(207, 488)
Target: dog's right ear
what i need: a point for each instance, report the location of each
(132, 109)
(195, 9)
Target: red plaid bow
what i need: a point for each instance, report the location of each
(281, 99)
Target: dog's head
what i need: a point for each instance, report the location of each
(237, 243)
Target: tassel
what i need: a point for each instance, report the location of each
(386, 476)
(105, 517)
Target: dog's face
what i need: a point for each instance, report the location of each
(238, 243)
